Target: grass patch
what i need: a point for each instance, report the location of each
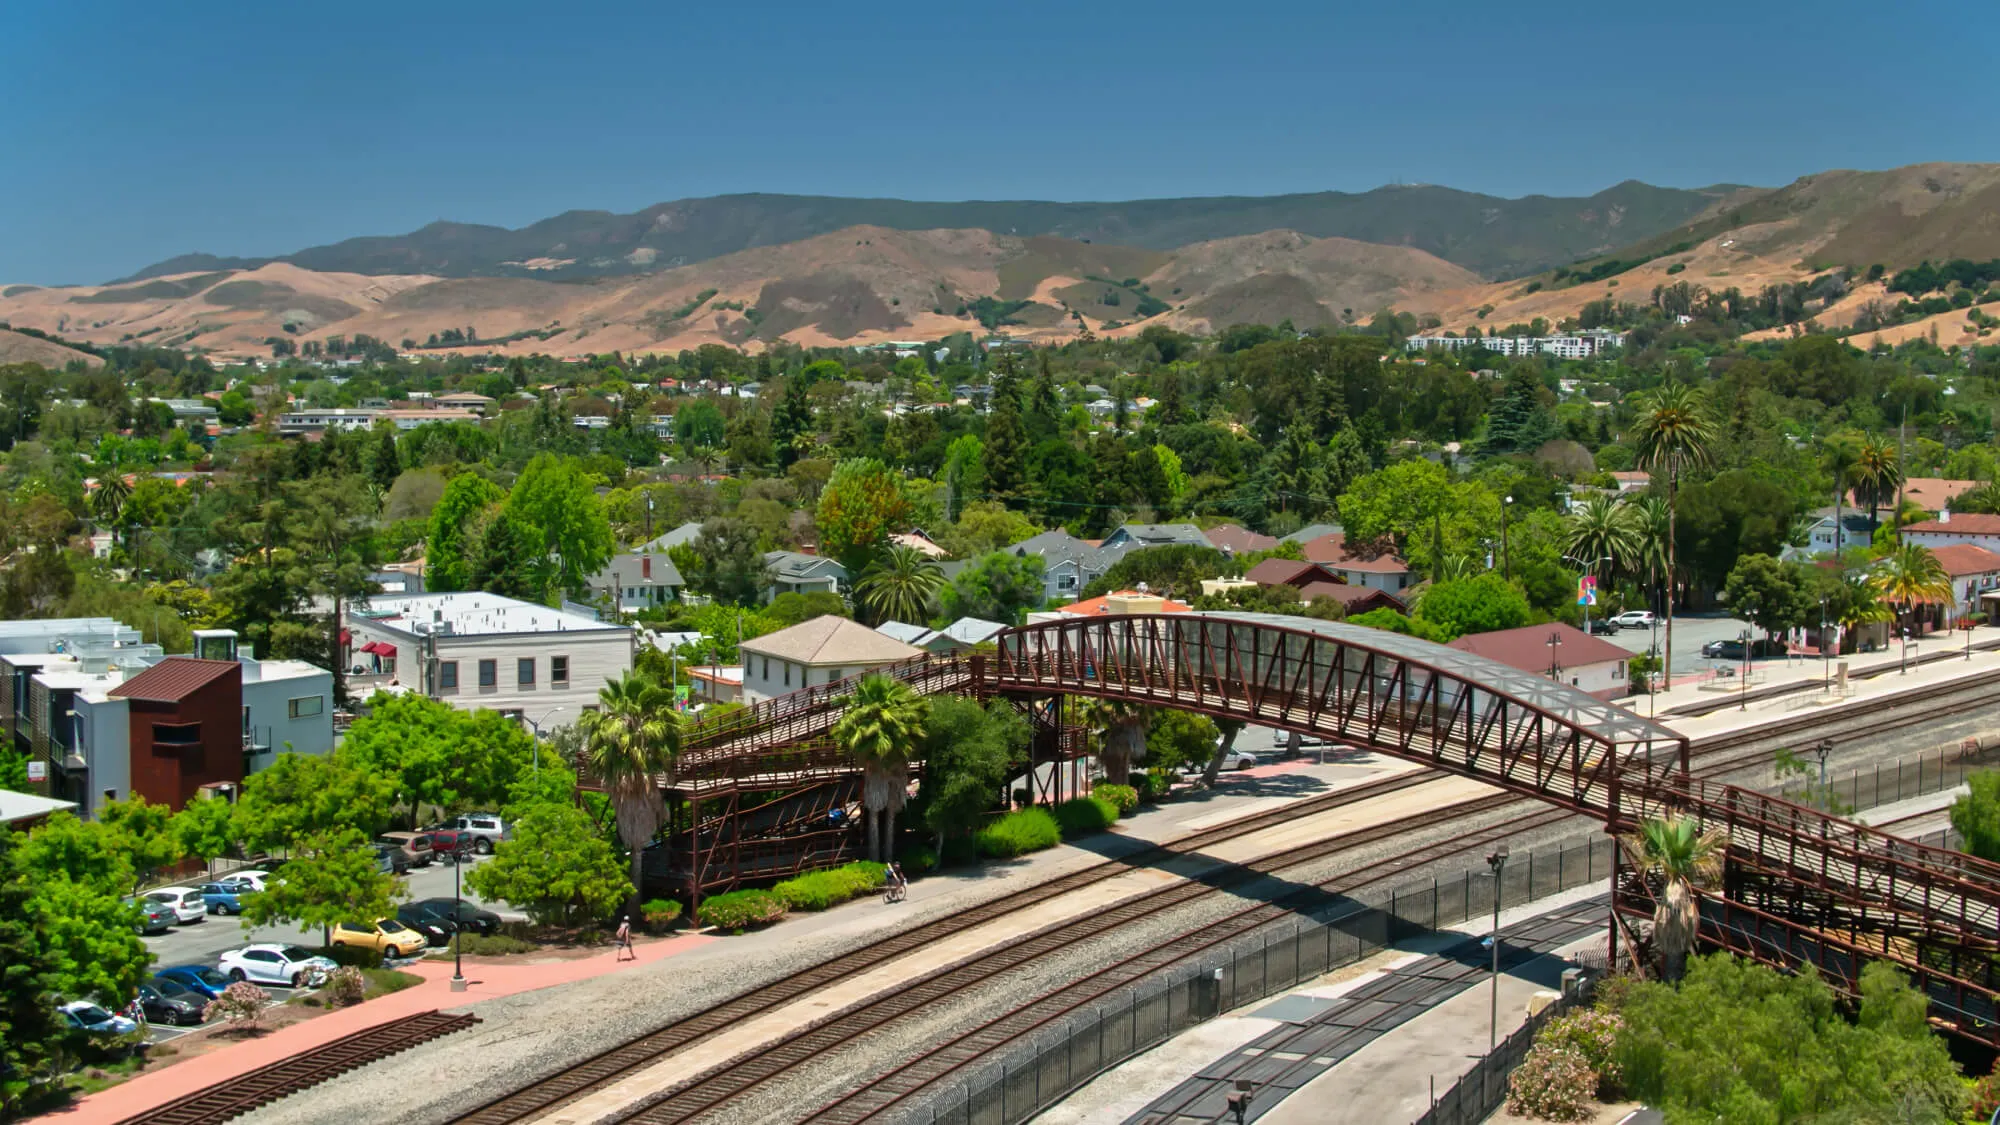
(381, 982)
(1018, 833)
(738, 910)
(1084, 816)
(818, 890)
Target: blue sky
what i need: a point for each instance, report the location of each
(135, 131)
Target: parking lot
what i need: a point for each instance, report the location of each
(1690, 633)
(200, 943)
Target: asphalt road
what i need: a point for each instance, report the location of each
(1690, 633)
(200, 943)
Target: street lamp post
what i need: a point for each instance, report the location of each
(1825, 654)
(1743, 695)
(1555, 656)
(1498, 862)
(1506, 567)
(457, 913)
(536, 725)
(1822, 748)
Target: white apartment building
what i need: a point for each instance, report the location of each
(478, 650)
(815, 652)
(1587, 344)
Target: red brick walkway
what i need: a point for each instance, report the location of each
(486, 981)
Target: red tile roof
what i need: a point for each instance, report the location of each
(175, 678)
(1099, 607)
(1527, 648)
(1961, 559)
(1333, 551)
(1928, 493)
(1961, 523)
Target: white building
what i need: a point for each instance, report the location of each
(815, 652)
(479, 650)
(641, 578)
(1586, 344)
(1563, 653)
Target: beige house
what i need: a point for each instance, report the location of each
(815, 652)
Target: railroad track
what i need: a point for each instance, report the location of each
(236, 1096)
(1718, 756)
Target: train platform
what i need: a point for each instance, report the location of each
(1370, 1039)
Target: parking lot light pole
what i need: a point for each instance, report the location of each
(1743, 696)
(458, 913)
(1497, 861)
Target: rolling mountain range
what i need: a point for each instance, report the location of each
(747, 270)
(1488, 235)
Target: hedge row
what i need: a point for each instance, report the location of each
(1018, 833)
(739, 909)
(1125, 797)
(820, 889)
(1085, 815)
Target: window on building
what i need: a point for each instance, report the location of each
(558, 671)
(448, 675)
(177, 734)
(524, 671)
(767, 669)
(306, 706)
(788, 674)
(489, 673)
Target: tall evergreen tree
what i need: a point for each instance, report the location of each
(29, 1025)
(792, 422)
(385, 461)
(1006, 451)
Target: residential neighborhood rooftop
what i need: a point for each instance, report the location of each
(830, 640)
(473, 613)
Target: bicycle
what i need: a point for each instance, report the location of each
(895, 892)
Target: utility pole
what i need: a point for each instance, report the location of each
(1506, 566)
(1498, 862)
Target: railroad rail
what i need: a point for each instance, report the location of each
(233, 1097)
(1713, 754)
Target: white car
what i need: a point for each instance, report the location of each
(249, 875)
(186, 902)
(86, 1016)
(293, 966)
(1634, 619)
(1234, 760)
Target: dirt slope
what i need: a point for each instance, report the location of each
(17, 348)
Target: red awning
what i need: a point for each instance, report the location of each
(379, 648)
(346, 637)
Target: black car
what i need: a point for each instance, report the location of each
(166, 1001)
(467, 916)
(436, 928)
(1603, 627)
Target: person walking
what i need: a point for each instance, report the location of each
(624, 937)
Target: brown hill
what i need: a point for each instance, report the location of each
(18, 348)
(1758, 237)
(859, 285)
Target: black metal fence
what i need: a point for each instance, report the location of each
(1481, 1090)
(1033, 1073)
(1904, 778)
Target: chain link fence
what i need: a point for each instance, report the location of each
(1036, 1071)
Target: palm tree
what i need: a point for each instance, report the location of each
(1840, 454)
(108, 502)
(884, 719)
(1603, 527)
(1674, 436)
(1124, 739)
(1682, 856)
(628, 742)
(1649, 514)
(1877, 475)
(1912, 574)
(900, 586)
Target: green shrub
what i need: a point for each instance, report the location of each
(1153, 785)
(382, 982)
(352, 956)
(1018, 833)
(1124, 797)
(1552, 1084)
(1085, 815)
(918, 859)
(818, 890)
(491, 945)
(739, 909)
(660, 911)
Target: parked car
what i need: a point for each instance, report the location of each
(416, 846)
(485, 829)
(253, 877)
(388, 937)
(436, 929)
(200, 979)
(1634, 619)
(165, 1001)
(1603, 626)
(465, 915)
(86, 1016)
(450, 845)
(291, 965)
(1236, 760)
(226, 897)
(154, 917)
(390, 861)
(185, 902)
